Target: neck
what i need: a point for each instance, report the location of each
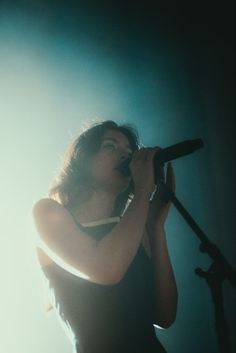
(99, 206)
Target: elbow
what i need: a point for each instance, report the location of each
(107, 270)
(170, 319)
(101, 276)
(116, 271)
(112, 275)
(119, 272)
(115, 276)
(165, 319)
(164, 323)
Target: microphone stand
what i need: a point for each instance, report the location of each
(218, 271)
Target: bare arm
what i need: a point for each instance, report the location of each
(166, 295)
(103, 261)
(107, 260)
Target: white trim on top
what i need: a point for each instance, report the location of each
(102, 221)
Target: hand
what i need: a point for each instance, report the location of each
(142, 170)
(158, 209)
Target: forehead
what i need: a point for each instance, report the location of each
(116, 135)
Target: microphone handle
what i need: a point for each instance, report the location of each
(176, 151)
(167, 154)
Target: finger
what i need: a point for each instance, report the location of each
(170, 177)
(138, 153)
(161, 173)
(151, 152)
(145, 153)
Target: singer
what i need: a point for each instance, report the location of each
(102, 246)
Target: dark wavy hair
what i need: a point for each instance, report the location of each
(70, 186)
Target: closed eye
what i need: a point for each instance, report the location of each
(108, 146)
(112, 147)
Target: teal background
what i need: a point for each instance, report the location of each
(168, 69)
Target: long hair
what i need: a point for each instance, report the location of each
(70, 186)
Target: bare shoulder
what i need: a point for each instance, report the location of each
(50, 216)
(46, 204)
(63, 241)
(46, 208)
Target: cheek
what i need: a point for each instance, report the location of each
(100, 166)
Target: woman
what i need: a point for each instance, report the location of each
(102, 244)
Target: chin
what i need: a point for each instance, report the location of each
(118, 182)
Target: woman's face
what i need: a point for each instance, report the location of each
(114, 149)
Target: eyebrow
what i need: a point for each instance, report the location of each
(115, 140)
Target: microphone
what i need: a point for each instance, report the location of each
(176, 151)
(166, 154)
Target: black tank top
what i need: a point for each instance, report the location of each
(107, 318)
